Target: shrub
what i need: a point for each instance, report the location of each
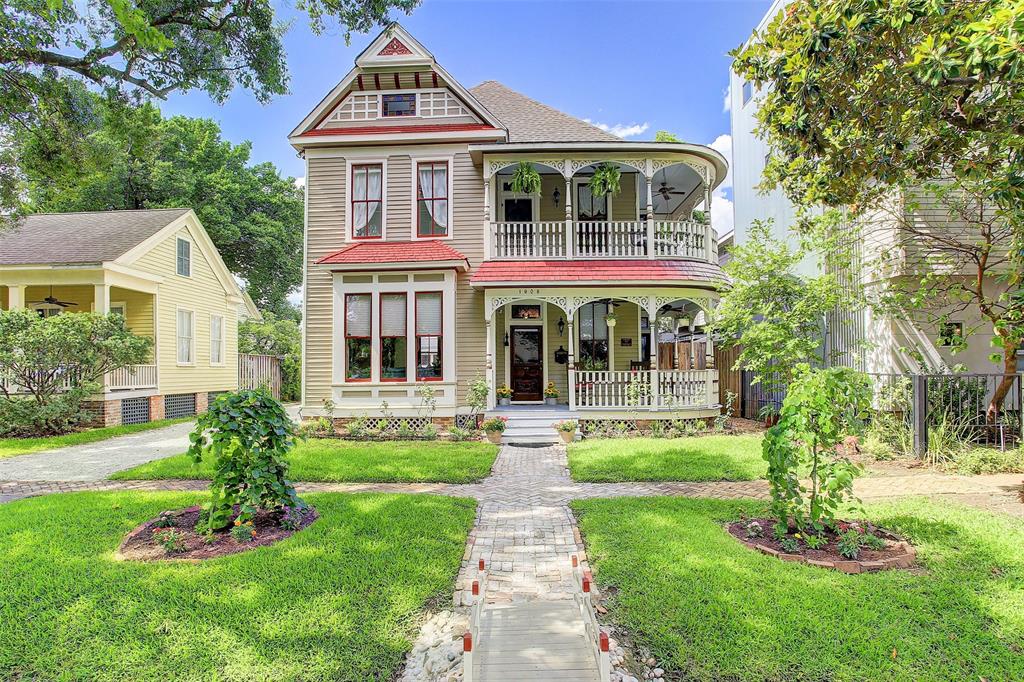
(814, 541)
(171, 540)
(429, 432)
(789, 545)
(59, 362)
(243, 532)
(291, 518)
(248, 434)
(980, 460)
(821, 408)
(848, 544)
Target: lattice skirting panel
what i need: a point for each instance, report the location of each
(466, 421)
(180, 405)
(135, 410)
(608, 425)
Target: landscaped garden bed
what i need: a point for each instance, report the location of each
(340, 461)
(708, 608)
(850, 547)
(174, 534)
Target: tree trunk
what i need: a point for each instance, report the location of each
(995, 406)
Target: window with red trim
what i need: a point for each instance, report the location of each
(429, 339)
(358, 330)
(432, 199)
(393, 343)
(367, 201)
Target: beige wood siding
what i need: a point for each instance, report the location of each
(203, 294)
(467, 237)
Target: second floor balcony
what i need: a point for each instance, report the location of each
(661, 209)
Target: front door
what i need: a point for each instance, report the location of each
(527, 363)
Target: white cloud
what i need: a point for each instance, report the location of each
(300, 181)
(295, 297)
(727, 104)
(723, 145)
(721, 212)
(622, 129)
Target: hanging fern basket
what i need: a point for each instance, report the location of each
(605, 180)
(526, 179)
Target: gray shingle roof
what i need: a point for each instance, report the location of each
(52, 238)
(528, 120)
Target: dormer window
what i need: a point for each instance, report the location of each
(398, 105)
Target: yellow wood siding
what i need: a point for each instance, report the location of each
(627, 326)
(204, 295)
(79, 294)
(559, 374)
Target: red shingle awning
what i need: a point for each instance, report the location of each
(384, 255)
(594, 272)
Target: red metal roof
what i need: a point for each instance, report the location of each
(384, 130)
(527, 271)
(368, 252)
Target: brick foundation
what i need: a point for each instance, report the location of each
(156, 407)
(202, 402)
(105, 412)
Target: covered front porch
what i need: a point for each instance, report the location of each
(637, 352)
(56, 291)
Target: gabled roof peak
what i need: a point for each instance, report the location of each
(394, 46)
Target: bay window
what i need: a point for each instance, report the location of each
(429, 338)
(358, 334)
(432, 199)
(367, 202)
(393, 344)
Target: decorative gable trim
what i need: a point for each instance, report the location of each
(394, 48)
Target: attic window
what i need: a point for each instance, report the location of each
(398, 105)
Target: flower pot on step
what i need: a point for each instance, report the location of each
(567, 436)
(494, 437)
(504, 401)
(550, 401)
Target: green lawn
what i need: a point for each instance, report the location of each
(341, 461)
(712, 609)
(10, 447)
(703, 458)
(337, 601)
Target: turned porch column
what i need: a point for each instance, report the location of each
(570, 239)
(652, 322)
(488, 184)
(649, 176)
(490, 358)
(570, 326)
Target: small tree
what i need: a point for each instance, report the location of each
(248, 434)
(773, 314)
(821, 408)
(58, 362)
(477, 396)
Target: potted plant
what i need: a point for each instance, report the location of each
(526, 179)
(504, 394)
(566, 429)
(493, 428)
(770, 414)
(605, 180)
(550, 394)
(610, 319)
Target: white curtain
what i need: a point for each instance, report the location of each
(366, 186)
(357, 315)
(428, 313)
(434, 183)
(392, 315)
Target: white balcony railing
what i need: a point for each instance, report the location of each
(130, 378)
(557, 240)
(662, 390)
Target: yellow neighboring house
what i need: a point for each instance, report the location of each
(160, 270)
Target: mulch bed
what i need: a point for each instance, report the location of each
(897, 553)
(140, 545)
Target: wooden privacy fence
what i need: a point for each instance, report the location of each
(255, 371)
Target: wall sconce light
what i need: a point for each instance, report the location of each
(556, 195)
(506, 339)
(561, 326)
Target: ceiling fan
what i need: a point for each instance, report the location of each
(666, 191)
(53, 301)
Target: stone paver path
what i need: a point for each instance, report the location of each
(96, 461)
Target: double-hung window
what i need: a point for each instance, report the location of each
(393, 343)
(216, 340)
(358, 330)
(184, 257)
(186, 337)
(432, 199)
(367, 201)
(429, 339)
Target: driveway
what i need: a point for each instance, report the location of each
(97, 461)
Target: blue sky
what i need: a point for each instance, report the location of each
(642, 66)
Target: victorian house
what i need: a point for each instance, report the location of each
(428, 264)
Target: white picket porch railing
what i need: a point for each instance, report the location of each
(557, 240)
(128, 378)
(663, 390)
